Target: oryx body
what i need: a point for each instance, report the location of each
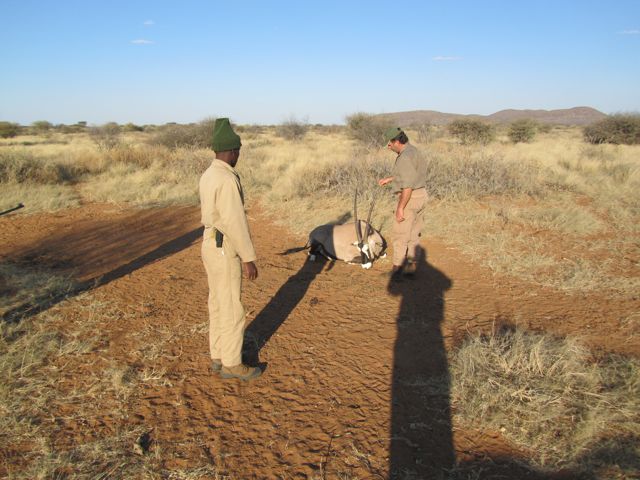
(355, 242)
(340, 242)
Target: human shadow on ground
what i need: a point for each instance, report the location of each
(273, 315)
(421, 440)
(421, 434)
(43, 303)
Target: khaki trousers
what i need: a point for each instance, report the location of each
(226, 313)
(405, 236)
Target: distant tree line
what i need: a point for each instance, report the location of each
(366, 129)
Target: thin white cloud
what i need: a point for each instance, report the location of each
(442, 58)
(148, 23)
(630, 32)
(142, 41)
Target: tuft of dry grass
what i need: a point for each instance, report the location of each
(549, 396)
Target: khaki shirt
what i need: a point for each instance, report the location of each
(410, 170)
(222, 208)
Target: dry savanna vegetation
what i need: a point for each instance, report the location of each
(549, 209)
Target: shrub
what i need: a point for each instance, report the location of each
(292, 129)
(131, 127)
(195, 135)
(522, 131)
(476, 176)
(367, 129)
(472, 131)
(41, 126)
(106, 136)
(616, 129)
(8, 129)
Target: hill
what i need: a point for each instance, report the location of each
(569, 116)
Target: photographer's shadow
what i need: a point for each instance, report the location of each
(421, 443)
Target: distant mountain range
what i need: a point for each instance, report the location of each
(569, 116)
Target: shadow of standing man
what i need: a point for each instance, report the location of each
(281, 305)
(421, 444)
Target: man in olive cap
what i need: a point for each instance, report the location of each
(227, 254)
(408, 181)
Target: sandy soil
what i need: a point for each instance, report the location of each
(346, 354)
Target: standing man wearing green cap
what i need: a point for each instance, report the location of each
(408, 181)
(227, 254)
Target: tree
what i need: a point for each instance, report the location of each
(8, 129)
(523, 130)
(472, 131)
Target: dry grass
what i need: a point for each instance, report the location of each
(48, 387)
(540, 211)
(550, 397)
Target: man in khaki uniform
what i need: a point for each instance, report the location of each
(227, 253)
(408, 181)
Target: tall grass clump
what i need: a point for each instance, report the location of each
(618, 129)
(551, 398)
(21, 166)
(468, 173)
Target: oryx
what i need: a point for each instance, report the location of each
(354, 242)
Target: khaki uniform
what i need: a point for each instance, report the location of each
(409, 171)
(222, 207)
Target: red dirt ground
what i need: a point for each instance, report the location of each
(347, 355)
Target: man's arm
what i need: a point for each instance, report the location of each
(233, 220)
(403, 199)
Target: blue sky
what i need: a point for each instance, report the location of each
(265, 62)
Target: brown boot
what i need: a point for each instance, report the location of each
(409, 268)
(216, 365)
(241, 371)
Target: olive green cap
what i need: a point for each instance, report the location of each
(392, 133)
(224, 138)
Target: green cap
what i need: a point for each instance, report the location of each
(224, 138)
(391, 133)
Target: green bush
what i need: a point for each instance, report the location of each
(522, 131)
(472, 131)
(616, 129)
(367, 129)
(8, 129)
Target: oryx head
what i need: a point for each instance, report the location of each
(371, 244)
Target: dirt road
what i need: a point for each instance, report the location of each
(356, 379)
